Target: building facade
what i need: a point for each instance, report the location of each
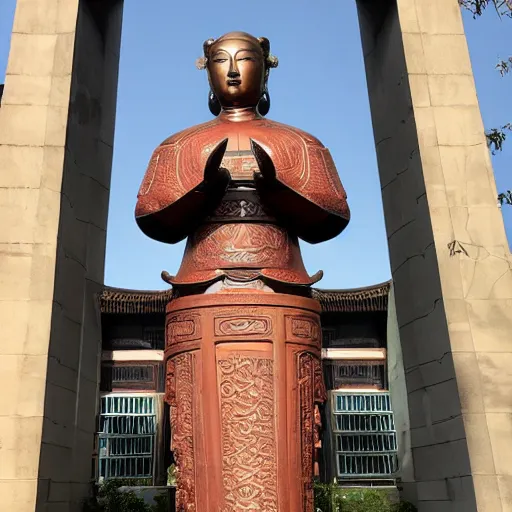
(358, 444)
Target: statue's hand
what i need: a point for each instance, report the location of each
(267, 171)
(266, 178)
(215, 176)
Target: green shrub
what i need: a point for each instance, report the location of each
(405, 506)
(163, 504)
(332, 498)
(171, 475)
(364, 500)
(108, 498)
(323, 497)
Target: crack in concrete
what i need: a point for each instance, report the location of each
(400, 228)
(436, 302)
(422, 254)
(397, 175)
(377, 144)
(420, 196)
(438, 360)
(72, 258)
(509, 269)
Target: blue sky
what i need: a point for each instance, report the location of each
(319, 87)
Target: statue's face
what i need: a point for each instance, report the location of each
(236, 72)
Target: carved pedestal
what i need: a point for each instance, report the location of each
(243, 377)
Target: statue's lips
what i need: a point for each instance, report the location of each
(234, 83)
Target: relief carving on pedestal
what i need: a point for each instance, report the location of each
(179, 395)
(304, 327)
(182, 327)
(248, 433)
(170, 383)
(239, 325)
(306, 412)
(320, 397)
(320, 391)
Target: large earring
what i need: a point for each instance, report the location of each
(264, 103)
(213, 104)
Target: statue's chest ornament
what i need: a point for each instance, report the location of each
(241, 164)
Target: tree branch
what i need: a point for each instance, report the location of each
(504, 66)
(496, 136)
(477, 7)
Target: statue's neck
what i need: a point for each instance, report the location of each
(238, 114)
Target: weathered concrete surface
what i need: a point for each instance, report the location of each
(449, 254)
(56, 135)
(399, 399)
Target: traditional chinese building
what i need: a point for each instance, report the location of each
(359, 440)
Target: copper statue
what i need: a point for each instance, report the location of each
(243, 336)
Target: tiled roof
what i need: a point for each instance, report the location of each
(121, 301)
(371, 298)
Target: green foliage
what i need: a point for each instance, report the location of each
(497, 136)
(109, 498)
(405, 506)
(325, 497)
(332, 498)
(171, 475)
(505, 198)
(365, 500)
(163, 504)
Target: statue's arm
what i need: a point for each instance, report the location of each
(317, 213)
(167, 210)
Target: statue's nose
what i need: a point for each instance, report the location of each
(233, 72)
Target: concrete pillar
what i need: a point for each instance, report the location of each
(399, 402)
(449, 254)
(56, 136)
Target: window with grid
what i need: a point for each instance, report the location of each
(126, 437)
(364, 435)
(140, 376)
(347, 372)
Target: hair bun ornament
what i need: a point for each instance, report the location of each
(201, 63)
(272, 61)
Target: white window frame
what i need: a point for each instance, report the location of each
(106, 440)
(361, 427)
